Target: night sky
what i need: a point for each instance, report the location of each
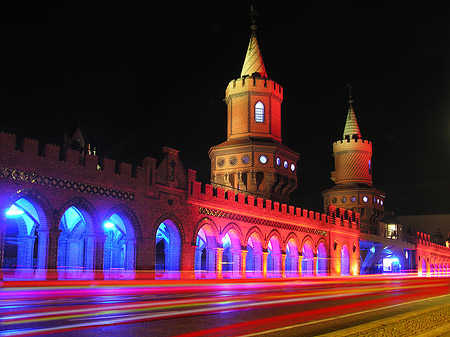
(137, 79)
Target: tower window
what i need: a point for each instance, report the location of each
(259, 112)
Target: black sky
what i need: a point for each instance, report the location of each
(138, 79)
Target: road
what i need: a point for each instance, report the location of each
(274, 307)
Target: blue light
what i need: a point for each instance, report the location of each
(14, 211)
(109, 225)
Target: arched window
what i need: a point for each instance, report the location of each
(259, 112)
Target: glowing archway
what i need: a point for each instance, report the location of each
(254, 256)
(119, 248)
(231, 255)
(291, 263)
(322, 260)
(76, 244)
(345, 261)
(274, 257)
(167, 250)
(21, 253)
(308, 259)
(205, 253)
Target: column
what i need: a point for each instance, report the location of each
(145, 258)
(300, 259)
(187, 261)
(98, 251)
(283, 265)
(315, 265)
(2, 247)
(243, 263)
(265, 254)
(219, 252)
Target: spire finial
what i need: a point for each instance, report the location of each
(253, 15)
(350, 98)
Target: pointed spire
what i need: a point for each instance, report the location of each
(253, 62)
(351, 125)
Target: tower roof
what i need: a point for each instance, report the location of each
(351, 124)
(253, 62)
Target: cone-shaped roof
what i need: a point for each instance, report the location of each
(253, 59)
(351, 125)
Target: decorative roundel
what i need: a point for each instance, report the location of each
(333, 200)
(344, 199)
(353, 199)
(278, 161)
(221, 162)
(285, 164)
(263, 159)
(292, 167)
(365, 199)
(381, 202)
(233, 160)
(246, 159)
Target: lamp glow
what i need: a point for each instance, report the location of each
(14, 211)
(109, 225)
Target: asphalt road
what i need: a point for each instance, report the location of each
(275, 307)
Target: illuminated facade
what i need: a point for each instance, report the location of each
(65, 214)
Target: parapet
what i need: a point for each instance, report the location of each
(254, 83)
(352, 144)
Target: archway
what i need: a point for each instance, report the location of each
(75, 245)
(292, 254)
(231, 256)
(119, 248)
(308, 259)
(168, 250)
(254, 256)
(345, 261)
(274, 257)
(322, 260)
(205, 253)
(21, 248)
(424, 267)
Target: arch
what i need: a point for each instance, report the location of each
(322, 258)
(259, 112)
(254, 257)
(167, 249)
(231, 240)
(25, 244)
(274, 243)
(175, 221)
(424, 266)
(205, 236)
(120, 225)
(79, 228)
(307, 256)
(292, 255)
(345, 260)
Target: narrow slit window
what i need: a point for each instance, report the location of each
(259, 112)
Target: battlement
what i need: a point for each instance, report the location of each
(51, 158)
(254, 83)
(425, 240)
(352, 144)
(217, 196)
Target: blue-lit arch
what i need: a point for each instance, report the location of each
(274, 256)
(345, 261)
(292, 255)
(307, 258)
(167, 250)
(205, 253)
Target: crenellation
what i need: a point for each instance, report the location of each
(7, 141)
(241, 198)
(292, 210)
(209, 190)
(72, 157)
(125, 170)
(30, 147)
(109, 166)
(283, 208)
(52, 152)
(251, 200)
(268, 204)
(91, 162)
(260, 203)
(276, 206)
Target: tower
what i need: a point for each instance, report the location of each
(353, 176)
(253, 159)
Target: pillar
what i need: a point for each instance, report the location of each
(145, 258)
(187, 261)
(283, 265)
(219, 252)
(243, 263)
(315, 265)
(300, 259)
(265, 254)
(52, 253)
(2, 247)
(99, 252)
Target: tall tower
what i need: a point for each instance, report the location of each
(253, 160)
(353, 176)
